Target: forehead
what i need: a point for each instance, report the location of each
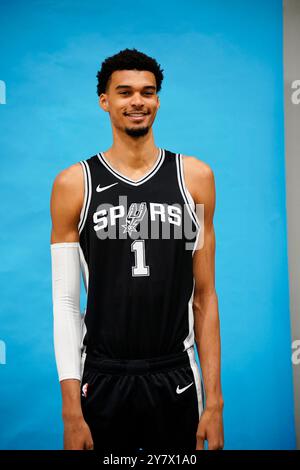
(133, 78)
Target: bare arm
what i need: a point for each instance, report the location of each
(65, 206)
(201, 183)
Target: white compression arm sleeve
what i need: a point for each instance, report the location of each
(67, 321)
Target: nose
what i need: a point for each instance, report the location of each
(137, 99)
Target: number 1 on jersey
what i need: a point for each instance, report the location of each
(140, 268)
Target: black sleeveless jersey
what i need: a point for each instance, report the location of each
(137, 239)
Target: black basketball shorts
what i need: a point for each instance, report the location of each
(153, 404)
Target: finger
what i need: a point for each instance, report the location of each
(90, 445)
(200, 443)
(213, 445)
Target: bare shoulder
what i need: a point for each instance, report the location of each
(197, 167)
(69, 178)
(199, 178)
(66, 203)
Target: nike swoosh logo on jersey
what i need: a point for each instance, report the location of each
(103, 188)
(180, 390)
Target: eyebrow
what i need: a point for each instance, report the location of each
(152, 87)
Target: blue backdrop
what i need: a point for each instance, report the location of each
(222, 101)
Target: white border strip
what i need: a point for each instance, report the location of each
(190, 204)
(184, 191)
(197, 378)
(87, 194)
(85, 276)
(84, 269)
(189, 340)
(189, 343)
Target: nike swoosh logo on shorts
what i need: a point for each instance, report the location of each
(103, 188)
(180, 390)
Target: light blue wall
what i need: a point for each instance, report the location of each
(222, 100)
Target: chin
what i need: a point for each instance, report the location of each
(137, 131)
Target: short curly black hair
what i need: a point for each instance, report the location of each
(127, 59)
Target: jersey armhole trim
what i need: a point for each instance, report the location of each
(185, 192)
(87, 194)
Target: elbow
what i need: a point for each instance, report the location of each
(203, 301)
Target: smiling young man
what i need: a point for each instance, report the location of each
(126, 218)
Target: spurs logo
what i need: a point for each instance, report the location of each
(134, 216)
(158, 212)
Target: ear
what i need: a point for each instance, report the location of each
(158, 102)
(103, 102)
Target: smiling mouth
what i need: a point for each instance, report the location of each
(135, 116)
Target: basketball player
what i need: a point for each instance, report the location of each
(127, 368)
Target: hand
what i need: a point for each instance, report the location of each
(210, 428)
(77, 434)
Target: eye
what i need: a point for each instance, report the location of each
(127, 92)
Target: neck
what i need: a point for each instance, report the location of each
(132, 153)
